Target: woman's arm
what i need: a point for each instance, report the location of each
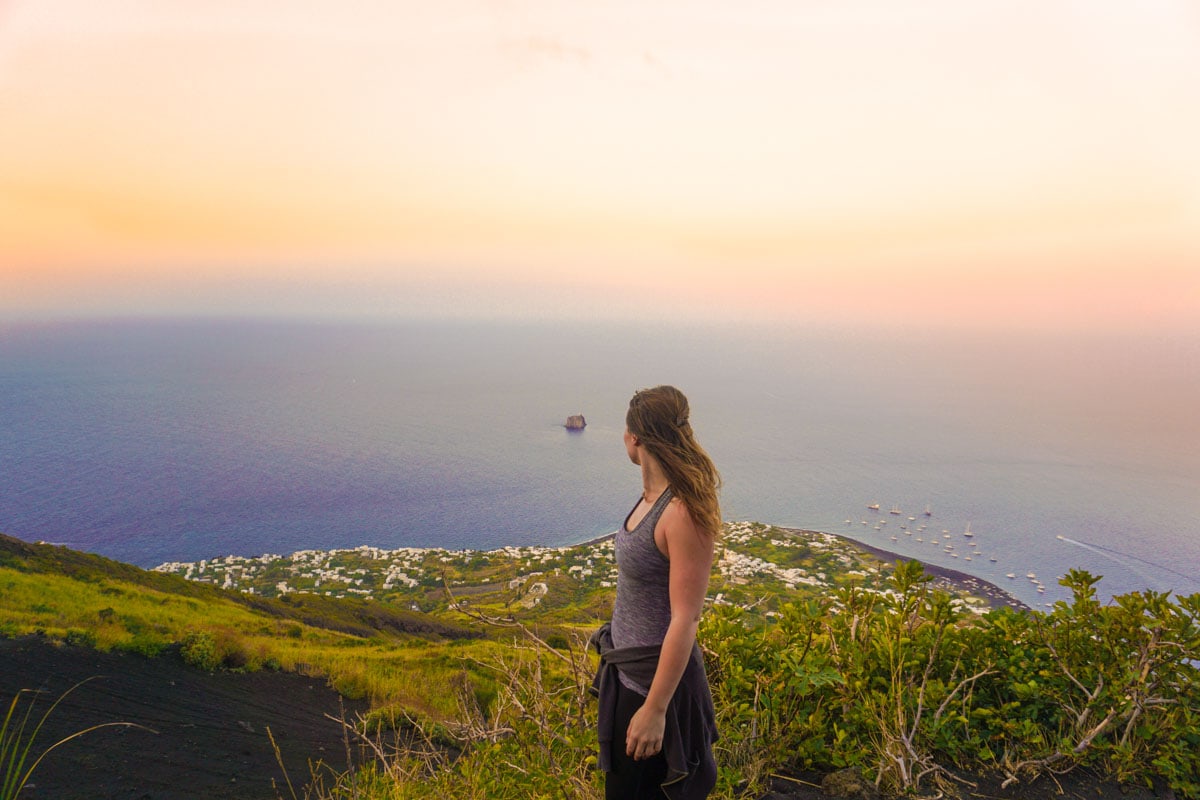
(690, 552)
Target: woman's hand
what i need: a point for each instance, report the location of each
(644, 736)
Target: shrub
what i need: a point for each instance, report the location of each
(1118, 684)
(145, 643)
(80, 638)
(905, 685)
(199, 648)
(232, 652)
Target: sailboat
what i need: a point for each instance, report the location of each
(895, 510)
(967, 532)
(928, 510)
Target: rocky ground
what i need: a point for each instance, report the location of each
(208, 734)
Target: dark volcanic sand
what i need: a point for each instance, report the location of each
(211, 739)
(952, 578)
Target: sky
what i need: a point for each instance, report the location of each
(941, 162)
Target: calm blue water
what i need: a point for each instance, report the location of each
(158, 441)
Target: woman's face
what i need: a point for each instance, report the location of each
(631, 447)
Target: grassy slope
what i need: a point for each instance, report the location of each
(388, 654)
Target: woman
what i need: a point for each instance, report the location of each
(656, 717)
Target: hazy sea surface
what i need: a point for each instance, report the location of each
(153, 441)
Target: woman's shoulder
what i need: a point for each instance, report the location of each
(677, 518)
(676, 510)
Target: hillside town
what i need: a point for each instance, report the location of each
(757, 566)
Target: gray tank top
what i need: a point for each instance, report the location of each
(642, 610)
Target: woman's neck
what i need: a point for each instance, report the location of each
(654, 482)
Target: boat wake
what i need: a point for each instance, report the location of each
(1123, 559)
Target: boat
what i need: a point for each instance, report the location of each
(967, 532)
(928, 511)
(1010, 576)
(895, 510)
(992, 559)
(874, 506)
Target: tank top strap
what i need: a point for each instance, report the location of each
(652, 516)
(660, 505)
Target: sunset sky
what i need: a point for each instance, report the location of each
(954, 162)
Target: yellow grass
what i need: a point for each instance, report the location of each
(401, 671)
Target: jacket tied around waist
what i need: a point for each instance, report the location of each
(690, 722)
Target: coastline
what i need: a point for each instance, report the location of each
(995, 596)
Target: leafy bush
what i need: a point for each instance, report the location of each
(906, 685)
(199, 648)
(146, 643)
(80, 638)
(1120, 683)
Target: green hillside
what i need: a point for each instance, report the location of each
(364, 648)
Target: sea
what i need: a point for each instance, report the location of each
(159, 440)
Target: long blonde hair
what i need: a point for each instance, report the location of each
(658, 417)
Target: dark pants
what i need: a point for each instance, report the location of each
(629, 779)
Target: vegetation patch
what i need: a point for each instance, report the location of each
(821, 657)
